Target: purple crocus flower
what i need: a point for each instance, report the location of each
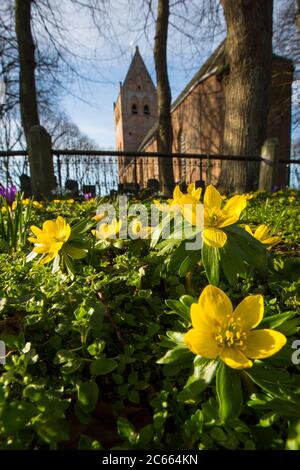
(9, 194)
(87, 196)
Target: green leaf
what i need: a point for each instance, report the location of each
(187, 265)
(188, 300)
(204, 372)
(81, 227)
(276, 320)
(160, 227)
(229, 392)
(86, 443)
(276, 382)
(180, 309)
(253, 251)
(52, 431)
(102, 366)
(176, 359)
(211, 263)
(176, 258)
(75, 252)
(290, 327)
(178, 354)
(127, 431)
(232, 261)
(68, 264)
(88, 393)
(16, 415)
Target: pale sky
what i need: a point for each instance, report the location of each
(91, 103)
(105, 61)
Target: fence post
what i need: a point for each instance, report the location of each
(269, 165)
(41, 162)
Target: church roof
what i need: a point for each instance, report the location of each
(210, 67)
(137, 66)
(214, 64)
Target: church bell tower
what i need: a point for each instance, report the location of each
(135, 110)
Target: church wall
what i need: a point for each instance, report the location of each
(197, 124)
(200, 118)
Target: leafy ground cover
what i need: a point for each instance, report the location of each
(95, 352)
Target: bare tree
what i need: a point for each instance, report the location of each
(286, 41)
(28, 94)
(246, 81)
(164, 96)
(65, 133)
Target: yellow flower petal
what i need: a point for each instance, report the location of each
(49, 226)
(214, 237)
(212, 198)
(192, 210)
(32, 240)
(263, 343)
(199, 319)
(177, 193)
(192, 191)
(248, 229)
(235, 359)
(214, 304)
(271, 241)
(261, 232)
(199, 342)
(227, 219)
(48, 258)
(197, 193)
(37, 231)
(191, 187)
(250, 311)
(44, 239)
(56, 246)
(41, 249)
(235, 205)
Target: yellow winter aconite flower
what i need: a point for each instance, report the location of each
(51, 238)
(262, 234)
(216, 217)
(139, 231)
(221, 332)
(106, 231)
(172, 204)
(26, 202)
(193, 191)
(37, 204)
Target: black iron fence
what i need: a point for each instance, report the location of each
(103, 172)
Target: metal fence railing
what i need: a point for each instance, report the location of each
(101, 172)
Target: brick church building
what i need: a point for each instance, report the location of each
(197, 121)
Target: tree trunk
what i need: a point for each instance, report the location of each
(37, 140)
(248, 51)
(165, 136)
(298, 14)
(28, 100)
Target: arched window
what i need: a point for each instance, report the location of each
(146, 109)
(134, 109)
